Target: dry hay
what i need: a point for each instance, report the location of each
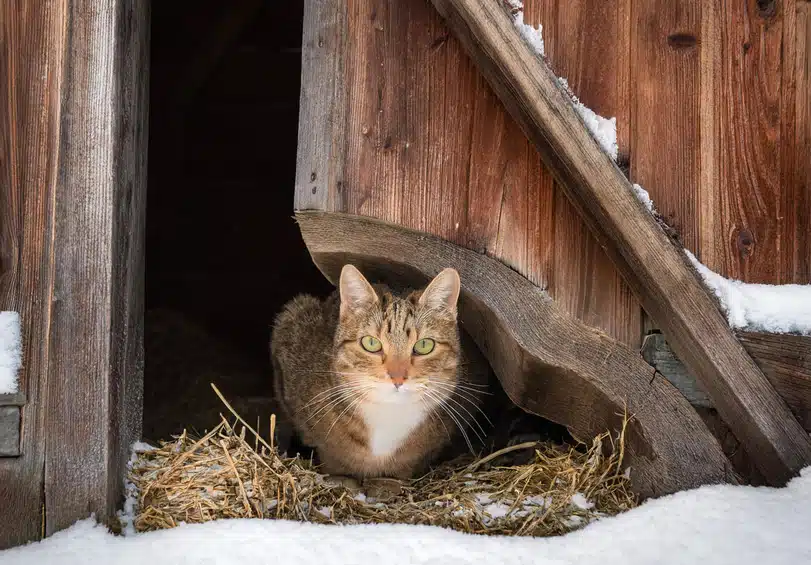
(226, 475)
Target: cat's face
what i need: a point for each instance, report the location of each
(393, 349)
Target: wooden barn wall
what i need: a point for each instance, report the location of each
(712, 105)
(72, 168)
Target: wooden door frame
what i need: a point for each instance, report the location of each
(72, 209)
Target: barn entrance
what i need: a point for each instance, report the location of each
(223, 252)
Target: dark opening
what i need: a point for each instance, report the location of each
(223, 251)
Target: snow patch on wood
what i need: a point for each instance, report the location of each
(11, 352)
(760, 307)
(603, 129)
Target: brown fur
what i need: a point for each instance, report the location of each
(316, 346)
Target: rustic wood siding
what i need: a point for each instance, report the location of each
(72, 168)
(712, 107)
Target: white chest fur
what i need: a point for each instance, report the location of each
(390, 423)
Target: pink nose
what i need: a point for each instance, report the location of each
(398, 373)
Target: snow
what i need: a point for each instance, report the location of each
(11, 352)
(127, 515)
(777, 309)
(581, 502)
(768, 308)
(713, 525)
(644, 197)
(533, 36)
(603, 129)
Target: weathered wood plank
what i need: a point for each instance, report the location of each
(784, 359)
(748, 101)
(655, 269)
(659, 355)
(9, 431)
(665, 114)
(95, 357)
(786, 362)
(31, 34)
(425, 142)
(577, 33)
(319, 167)
(795, 173)
(559, 368)
(16, 399)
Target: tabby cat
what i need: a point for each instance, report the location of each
(378, 383)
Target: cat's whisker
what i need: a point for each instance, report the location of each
(456, 411)
(330, 390)
(345, 395)
(345, 398)
(471, 383)
(342, 373)
(472, 417)
(331, 396)
(355, 402)
(473, 390)
(433, 415)
(453, 416)
(462, 396)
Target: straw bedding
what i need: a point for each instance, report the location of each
(232, 472)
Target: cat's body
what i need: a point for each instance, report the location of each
(378, 383)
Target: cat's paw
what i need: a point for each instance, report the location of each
(383, 488)
(343, 481)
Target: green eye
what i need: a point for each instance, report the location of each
(424, 346)
(371, 344)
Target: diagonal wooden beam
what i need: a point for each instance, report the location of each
(654, 267)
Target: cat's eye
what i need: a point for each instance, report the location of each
(371, 344)
(424, 346)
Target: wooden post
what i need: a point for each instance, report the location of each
(73, 186)
(654, 267)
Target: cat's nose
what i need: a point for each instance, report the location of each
(398, 373)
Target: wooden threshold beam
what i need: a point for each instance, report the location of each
(548, 362)
(654, 267)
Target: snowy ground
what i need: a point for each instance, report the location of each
(715, 525)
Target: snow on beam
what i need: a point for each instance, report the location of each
(653, 266)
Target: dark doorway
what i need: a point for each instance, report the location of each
(223, 252)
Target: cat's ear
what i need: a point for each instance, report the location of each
(443, 292)
(356, 292)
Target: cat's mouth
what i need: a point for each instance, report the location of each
(387, 393)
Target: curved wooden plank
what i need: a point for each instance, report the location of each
(549, 363)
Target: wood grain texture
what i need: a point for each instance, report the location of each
(576, 34)
(747, 96)
(561, 369)
(786, 362)
(665, 109)
(424, 143)
(784, 359)
(655, 269)
(95, 355)
(319, 167)
(31, 35)
(795, 247)
(659, 355)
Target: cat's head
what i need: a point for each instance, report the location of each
(398, 349)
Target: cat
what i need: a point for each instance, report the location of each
(378, 383)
